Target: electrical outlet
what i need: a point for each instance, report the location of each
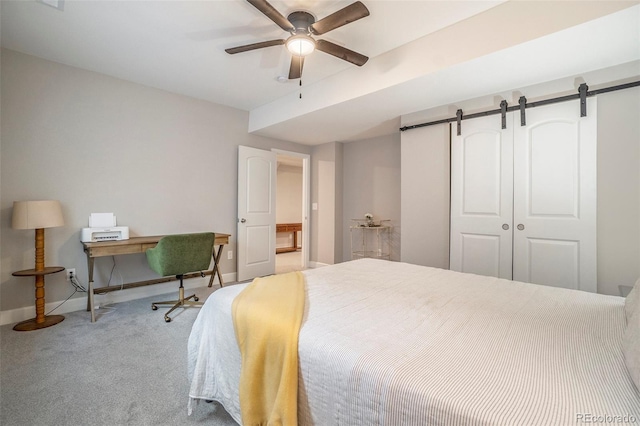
(71, 273)
(230, 254)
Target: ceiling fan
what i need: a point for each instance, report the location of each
(302, 25)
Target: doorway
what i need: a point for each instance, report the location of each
(292, 195)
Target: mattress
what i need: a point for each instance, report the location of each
(389, 343)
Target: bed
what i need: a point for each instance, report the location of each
(389, 343)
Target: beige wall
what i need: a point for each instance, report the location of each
(371, 174)
(288, 201)
(163, 163)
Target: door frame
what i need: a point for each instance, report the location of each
(306, 200)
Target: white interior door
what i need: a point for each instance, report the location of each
(256, 213)
(555, 197)
(481, 198)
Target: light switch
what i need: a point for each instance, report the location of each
(314, 206)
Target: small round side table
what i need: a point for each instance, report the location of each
(41, 320)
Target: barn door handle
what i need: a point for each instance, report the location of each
(520, 227)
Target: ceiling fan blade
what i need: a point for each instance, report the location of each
(295, 69)
(271, 13)
(254, 46)
(346, 15)
(341, 52)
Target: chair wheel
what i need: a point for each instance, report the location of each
(195, 298)
(154, 307)
(167, 319)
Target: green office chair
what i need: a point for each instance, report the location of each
(178, 255)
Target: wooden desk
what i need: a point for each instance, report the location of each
(139, 245)
(289, 227)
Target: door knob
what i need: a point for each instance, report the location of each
(505, 227)
(520, 227)
(243, 220)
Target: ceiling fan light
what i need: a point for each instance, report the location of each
(301, 45)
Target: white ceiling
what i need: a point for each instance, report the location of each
(178, 46)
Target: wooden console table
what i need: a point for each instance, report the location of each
(289, 227)
(139, 245)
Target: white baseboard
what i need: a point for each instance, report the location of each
(313, 264)
(80, 303)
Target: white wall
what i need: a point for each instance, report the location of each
(163, 163)
(371, 176)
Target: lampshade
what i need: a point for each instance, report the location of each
(301, 45)
(37, 214)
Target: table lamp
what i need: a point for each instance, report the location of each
(38, 215)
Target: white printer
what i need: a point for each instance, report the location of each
(102, 227)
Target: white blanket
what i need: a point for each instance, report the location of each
(387, 343)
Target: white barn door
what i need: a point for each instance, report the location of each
(523, 200)
(481, 198)
(256, 213)
(554, 234)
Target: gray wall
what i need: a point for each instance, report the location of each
(618, 214)
(325, 194)
(371, 175)
(425, 196)
(163, 163)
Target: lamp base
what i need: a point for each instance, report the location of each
(31, 324)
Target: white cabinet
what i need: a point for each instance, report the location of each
(523, 199)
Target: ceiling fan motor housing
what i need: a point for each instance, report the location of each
(301, 21)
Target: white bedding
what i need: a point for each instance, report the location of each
(388, 343)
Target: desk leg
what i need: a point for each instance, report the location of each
(90, 305)
(216, 270)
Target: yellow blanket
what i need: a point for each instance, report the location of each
(266, 317)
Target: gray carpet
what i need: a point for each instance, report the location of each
(128, 368)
